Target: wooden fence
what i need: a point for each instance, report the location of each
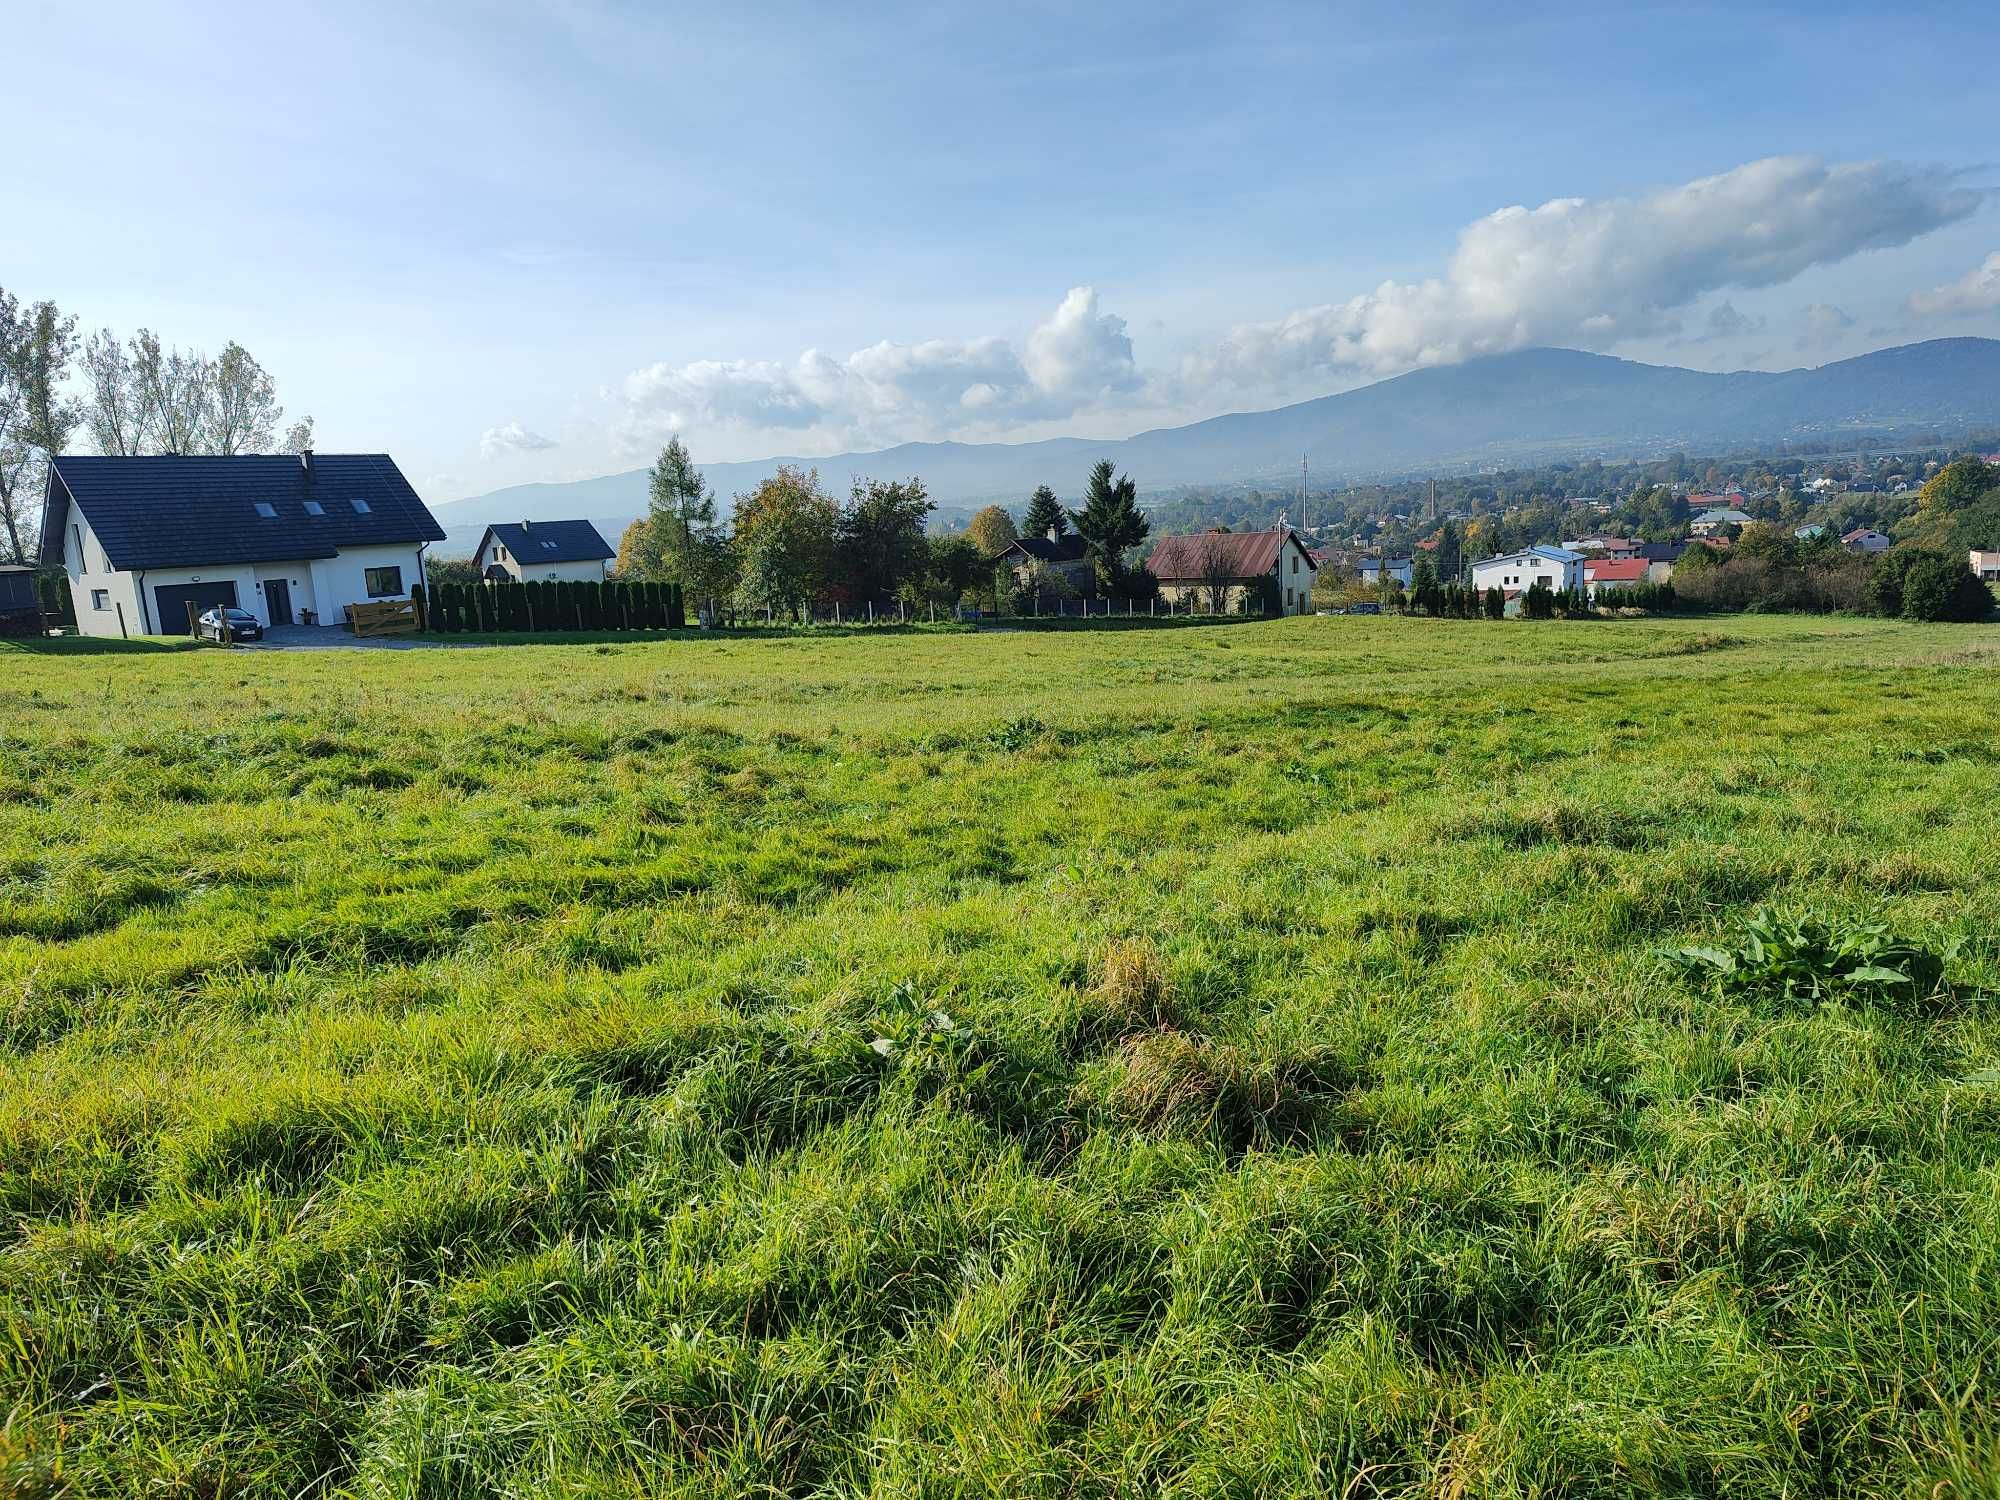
(389, 617)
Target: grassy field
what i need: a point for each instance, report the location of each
(1194, 1062)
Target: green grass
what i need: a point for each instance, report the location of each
(1185, 1062)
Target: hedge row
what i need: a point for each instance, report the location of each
(485, 608)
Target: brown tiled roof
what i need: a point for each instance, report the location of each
(1247, 554)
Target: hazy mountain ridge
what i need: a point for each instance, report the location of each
(1507, 408)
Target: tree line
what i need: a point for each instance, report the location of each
(123, 396)
(790, 547)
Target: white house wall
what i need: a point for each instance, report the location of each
(496, 554)
(1523, 571)
(340, 581)
(89, 570)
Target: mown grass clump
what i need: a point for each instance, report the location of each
(1048, 1063)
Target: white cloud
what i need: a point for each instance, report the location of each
(1823, 323)
(511, 438)
(891, 391)
(1591, 273)
(1977, 291)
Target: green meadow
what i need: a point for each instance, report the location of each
(1200, 1061)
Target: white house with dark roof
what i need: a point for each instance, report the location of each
(292, 538)
(543, 552)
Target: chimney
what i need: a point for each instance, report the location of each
(1054, 534)
(526, 523)
(306, 461)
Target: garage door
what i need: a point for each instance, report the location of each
(174, 599)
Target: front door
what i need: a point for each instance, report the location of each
(278, 600)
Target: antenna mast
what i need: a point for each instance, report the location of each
(1305, 515)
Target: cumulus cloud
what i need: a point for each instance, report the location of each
(1823, 323)
(1977, 291)
(1079, 357)
(1593, 272)
(511, 438)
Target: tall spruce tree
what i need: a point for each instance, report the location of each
(1045, 514)
(1110, 520)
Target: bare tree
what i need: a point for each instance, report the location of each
(115, 409)
(176, 389)
(1216, 567)
(243, 410)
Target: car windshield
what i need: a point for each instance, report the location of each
(239, 614)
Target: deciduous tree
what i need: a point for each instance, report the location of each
(992, 530)
(36, 418)
(786, 533)
(243, 410)
(881, 537)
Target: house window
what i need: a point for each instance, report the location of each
(267, 510)
(314, 508)
(383, 582)
(360, 507)
(100, 598)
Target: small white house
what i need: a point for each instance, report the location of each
(1863, 539)
(1372, 570)
(543, 552)
(1986, 565)
(1558, 567)
(293, 538)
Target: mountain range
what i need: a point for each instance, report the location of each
(1502, 410)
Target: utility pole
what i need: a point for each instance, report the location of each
(1305, 513)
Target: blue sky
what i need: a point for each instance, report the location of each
(523, 241)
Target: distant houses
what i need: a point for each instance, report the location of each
(1516, 572)
(1862, 539)
(543, 552)
(1986, 565)
(1225, 571)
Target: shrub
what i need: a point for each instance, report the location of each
(1944, 588)
(1496, 603)
(1806, 961)
(1539, 603)
(1885, 582)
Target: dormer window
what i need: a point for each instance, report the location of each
(314, 508)
(267, 510)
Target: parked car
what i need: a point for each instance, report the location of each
(1364, 609)
(240, 623)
